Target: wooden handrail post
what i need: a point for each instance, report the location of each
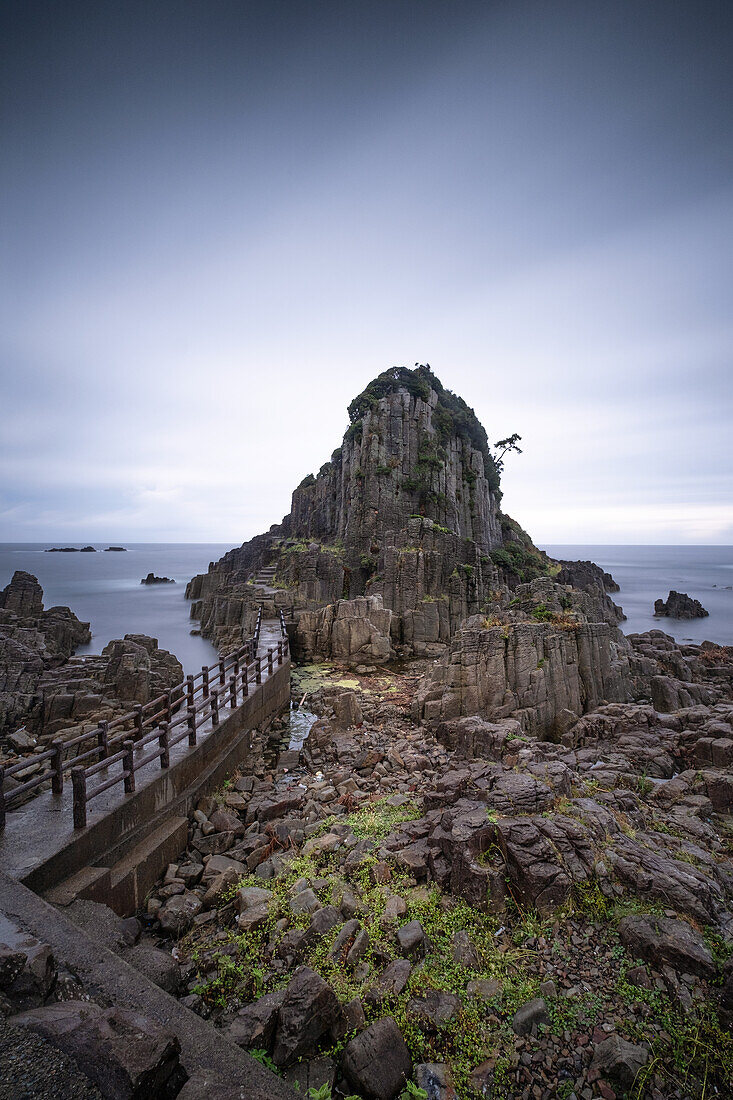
(270, 652)
(165, 752)
(103, 740)
(205, 681)
(128, 765)
(222, 672)
(138, 721)
(79, 786)
(191, 726)
(190, 691)
(233, 692)
(245, 680)
(57, 766)
(236, 664)
(258, 670)
(2, 797)
(279, 653)
(214, 707)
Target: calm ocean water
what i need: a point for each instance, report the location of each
(105, 590)
(646, 573)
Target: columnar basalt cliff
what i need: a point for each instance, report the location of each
(407, 509)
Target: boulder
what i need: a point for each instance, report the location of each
(377, 1062)
(127, 1056)
(309, 1009)
(254, 1026)
(177, 915)
(619, 1061)
(528, 1018)
(159, 966)
(411, 940)
(664, 941)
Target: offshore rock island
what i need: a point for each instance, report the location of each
(497, 859)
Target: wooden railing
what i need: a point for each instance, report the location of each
(110, 741)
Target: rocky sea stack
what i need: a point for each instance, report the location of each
(679, 605)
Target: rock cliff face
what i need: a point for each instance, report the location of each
(543, 675)
(405, 453)
(31, 641)
(407, 509)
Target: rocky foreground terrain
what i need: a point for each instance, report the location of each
(470, 908)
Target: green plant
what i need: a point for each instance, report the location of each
(265, 1060)
(307, 481)
(413, 1092)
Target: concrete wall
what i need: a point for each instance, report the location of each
(119, 856)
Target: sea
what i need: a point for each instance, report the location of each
(648, 573)
(104, 588)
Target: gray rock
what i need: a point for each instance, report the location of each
(666, 941)
(309, 1010)
(529, 1017)
(411, 940)
(254, 1026)
(177, 915)
(377, 1062)
(619, 1060)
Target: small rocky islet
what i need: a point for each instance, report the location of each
(679, 605)
(501, 862)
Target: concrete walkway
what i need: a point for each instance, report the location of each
(42, 827)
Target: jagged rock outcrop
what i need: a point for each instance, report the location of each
(137, 671)
(54, 694)
(31, 642)
(406, 509)
(541, 674)
(679, 605)
(356, 631)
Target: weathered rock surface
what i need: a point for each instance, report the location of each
(377, 1062)
(125, 1055)
(679, 605)
(543, 676)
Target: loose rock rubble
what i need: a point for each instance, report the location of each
(467, 907)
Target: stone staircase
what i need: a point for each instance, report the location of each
(266, 576)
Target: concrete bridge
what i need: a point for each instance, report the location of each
(109, 834)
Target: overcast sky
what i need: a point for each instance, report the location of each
(221, 220)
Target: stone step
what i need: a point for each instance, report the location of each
(134, 875)
(124, 885)
(88, 883)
